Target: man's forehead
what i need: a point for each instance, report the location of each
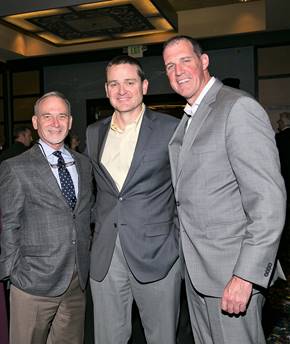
(52, 101)
(122, 67)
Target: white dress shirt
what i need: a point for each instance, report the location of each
(190, 110)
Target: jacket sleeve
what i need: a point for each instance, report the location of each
(255, 161)
(11, 205)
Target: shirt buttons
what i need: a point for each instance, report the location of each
(73, 242)
(120, 198)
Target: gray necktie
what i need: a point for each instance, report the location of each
(67, 186)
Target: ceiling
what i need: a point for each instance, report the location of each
(30, 28)
(75, 22)
(181, 5)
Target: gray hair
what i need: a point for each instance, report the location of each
(52, 94)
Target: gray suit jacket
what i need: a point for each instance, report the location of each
(229, 189)
(143, 212)
(42, 239)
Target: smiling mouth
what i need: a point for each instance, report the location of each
(55, 131)
(183, 81)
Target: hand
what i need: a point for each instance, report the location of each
(236, 295)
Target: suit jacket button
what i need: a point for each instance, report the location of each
(74, 216)
(115, 225)
(120, 198)
(177, 203)
(73, 242)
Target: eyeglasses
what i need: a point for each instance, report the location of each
(66, 164)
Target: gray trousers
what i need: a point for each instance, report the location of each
(212, 326)
(158, 304)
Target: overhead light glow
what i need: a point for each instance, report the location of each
(76, 24)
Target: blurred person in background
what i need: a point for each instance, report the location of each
(22, 141)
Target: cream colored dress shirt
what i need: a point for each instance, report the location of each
(119, 149)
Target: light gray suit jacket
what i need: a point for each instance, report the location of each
(229, 191)
(42, 239)
(143, 212)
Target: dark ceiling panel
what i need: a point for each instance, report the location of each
(9, 7)
(107, 21)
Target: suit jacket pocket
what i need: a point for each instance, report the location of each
(156, 229)
(36, 251)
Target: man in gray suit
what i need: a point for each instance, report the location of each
(45, 199)
(135, 245)
(230, 197)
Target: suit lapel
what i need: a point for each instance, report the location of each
(43, 169)
(198, 119)
(103, 131)
(144, 137)
(175, 146)
(80, 176)
(98, 146)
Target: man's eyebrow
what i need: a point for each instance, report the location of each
(128, 79)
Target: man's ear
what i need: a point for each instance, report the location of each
(204, 61)
(145, 84)
(34, 122)
(70, 122)
(106, 89)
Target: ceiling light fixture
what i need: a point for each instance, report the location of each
(93, 22)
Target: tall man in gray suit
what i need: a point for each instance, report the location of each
(230, 197)
(135, 245)
(45, 199)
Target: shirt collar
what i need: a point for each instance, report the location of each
(135, 123)
(48, 151)
(191, 109)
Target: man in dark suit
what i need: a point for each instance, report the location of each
(283, 144)
(135, 245)
(45, 199)
(230, 196)
(22, 141)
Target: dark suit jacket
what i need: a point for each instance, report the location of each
(42, 239)
(283, 144)
(16, 149)
(143, 212)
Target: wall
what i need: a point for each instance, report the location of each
(80, 82)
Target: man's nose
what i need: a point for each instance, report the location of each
(55, 121)
(178, 69)
(122, 89)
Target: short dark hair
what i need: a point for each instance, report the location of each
(19, 130)
(126, 59)
(195, 45)
(52, 94)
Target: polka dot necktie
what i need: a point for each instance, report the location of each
(67, 186)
